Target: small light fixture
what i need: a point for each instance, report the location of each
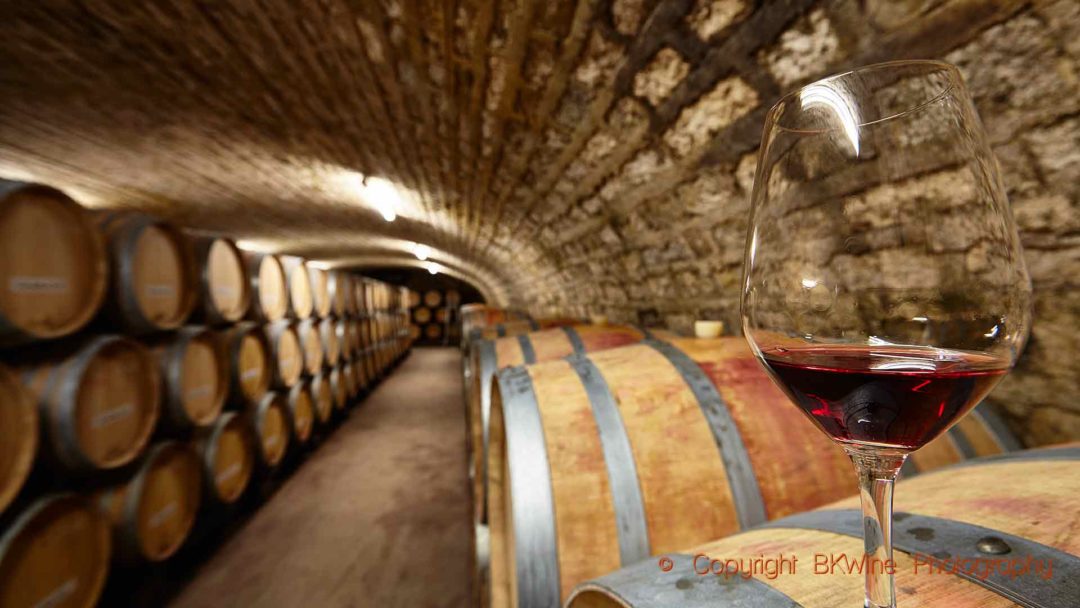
(421, 251)
(433, 269)
(383, 196)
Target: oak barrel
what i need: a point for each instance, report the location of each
(153, 283)
(53, 264)
(227, 453)
(269, 296)
(56, 553)
(224, 285)
(322, 396)
(311, 343)
(251, 367)
(328, 336)
(339, 387)
(599, 461)
(301, 408)
(18, 435)
(298, 286)
(98, 404)
(335, 285)
(196, 373)
(319, 280)
(153, 513)
(287, 354)
(489, 356)
(432, 298)
(269, 424)
(341, 331)
(348, 374)
(422, 315)
(992, 533)
(362, 374)
(433, 331)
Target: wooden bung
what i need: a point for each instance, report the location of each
(99, 404)
(153, 283)
(641, 428)
(322, 396)
(328, 336)
(287, 355)
(997, 533)
(298, 286)
(194, 367)
(301, 409)
(227, 455)
(319, 280)
(153, 513)
(55, 553)
(224, 284)
(53, 265)
(311, 343)
(250, 363)
(339, 387)
(269, 424)
(18, 435)
(269, 297)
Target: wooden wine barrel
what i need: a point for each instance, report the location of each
(301, 410)
(311, 344)
(993, 533)
(433, 331)
(341, 331)
(196, 372)
(99, 404)
(298, 286)
(453, 297)
(269, 424)
(363, 375)
(504, 329)
(227, 453)
(413, 299)
(422, 315)
(53, 264)
(224, 285)
(352, 308)
(153, 513)
(440, 315)
(322, 396)
(414, 332)
(637, 430)
(153, 286)
(352, 336)
(489, 356)
(320, 291)
(338, 387)
(335, 286)
(269, 295)
(328, 337)
(18, 435)
(287, 354)
(56, 553)
(251, 367)
(348, 375)
(432, 298)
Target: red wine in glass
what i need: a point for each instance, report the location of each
(895, 397)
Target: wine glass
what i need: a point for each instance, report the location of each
(885, 290)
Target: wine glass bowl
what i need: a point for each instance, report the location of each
(884, 286)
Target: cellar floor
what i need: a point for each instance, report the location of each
(377, 516)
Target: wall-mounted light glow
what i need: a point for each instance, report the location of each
(421, 251)
(320, 264)
(433, 268)
(382, 195)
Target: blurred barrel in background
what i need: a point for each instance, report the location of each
(55, 553)
(152, 267)
(301, 411)
(196, 374)
(287, 354)
(153, 512)
(53, 265)
(224, 285)
(311, 344)
(298, 286)
(269, 296)
(227, 456)
(328, 337)
(250, 363)
(99, 404)
(319, 280)
(269, 424)
(322, 397)
(336, 286)
(18, 435)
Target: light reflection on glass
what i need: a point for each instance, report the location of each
(835, 101)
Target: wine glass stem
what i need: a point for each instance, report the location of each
(877, 471)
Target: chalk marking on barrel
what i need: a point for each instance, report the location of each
(38, 284)
(112, 415)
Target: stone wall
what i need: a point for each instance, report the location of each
(577, 156)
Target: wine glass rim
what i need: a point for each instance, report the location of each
(941, 65)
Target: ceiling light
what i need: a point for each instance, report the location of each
(433, 268)
(382, 195)
(421, 251)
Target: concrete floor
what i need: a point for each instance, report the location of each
(378, 516)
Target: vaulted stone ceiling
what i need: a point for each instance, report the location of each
(573, 156)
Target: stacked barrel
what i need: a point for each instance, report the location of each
(594, 447)
(435, 316)
(150, 377)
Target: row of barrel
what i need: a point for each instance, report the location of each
(434, 316)
(115, 439)
(63, 266)
(596, 447)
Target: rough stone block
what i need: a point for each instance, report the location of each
(804, 51)
(660, 77)
(710, 17)
(698, 123)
